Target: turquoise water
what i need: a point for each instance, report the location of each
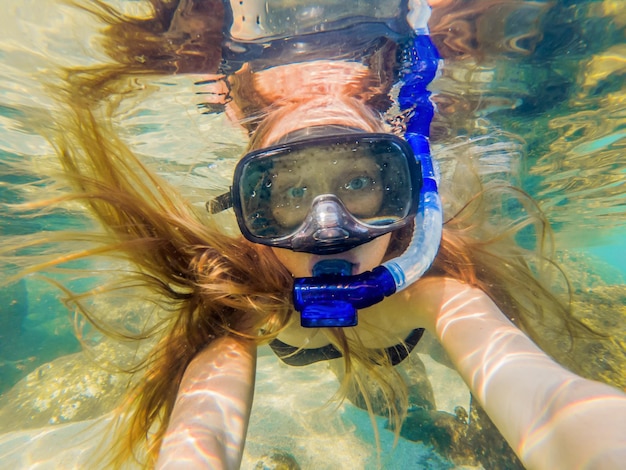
(552, 80)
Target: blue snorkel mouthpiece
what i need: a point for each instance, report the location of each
(332, 296)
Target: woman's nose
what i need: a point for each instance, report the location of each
(327, 217)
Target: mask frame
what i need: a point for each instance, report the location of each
(329, 226)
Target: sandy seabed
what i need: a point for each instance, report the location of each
(292, 414)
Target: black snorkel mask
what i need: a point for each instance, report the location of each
(326, 195)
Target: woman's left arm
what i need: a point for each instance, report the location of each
(552, 418)
(208, 425)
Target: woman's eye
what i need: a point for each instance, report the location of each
(296, 192)
(358, 183)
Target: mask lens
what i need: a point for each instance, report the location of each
(369, 174)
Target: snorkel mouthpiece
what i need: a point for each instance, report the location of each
(332, 296)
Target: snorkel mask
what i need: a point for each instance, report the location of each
(326, 195)
(365, 185)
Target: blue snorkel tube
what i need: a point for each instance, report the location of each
(332, 299)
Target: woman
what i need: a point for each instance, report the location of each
(227, 295)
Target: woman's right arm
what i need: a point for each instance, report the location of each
(207, 428)
(552, 418)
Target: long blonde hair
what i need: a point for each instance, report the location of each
(214, 285)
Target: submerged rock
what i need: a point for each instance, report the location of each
(597, 351)
(71, 388)
(444, 431)
(601, 354)
(277, 460)
(467, 441)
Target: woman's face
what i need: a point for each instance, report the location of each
(356, 181)
(338, 102)
(364, 257)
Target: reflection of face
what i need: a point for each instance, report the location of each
(296, 182)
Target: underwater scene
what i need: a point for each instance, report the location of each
(531, 93)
